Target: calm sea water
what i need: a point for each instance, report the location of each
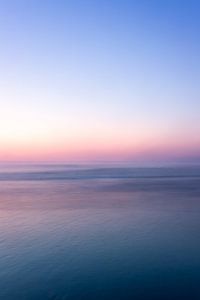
(75, 232)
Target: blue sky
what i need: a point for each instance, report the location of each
(115, 74)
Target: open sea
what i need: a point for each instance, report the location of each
(99, 232)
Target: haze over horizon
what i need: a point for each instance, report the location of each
(100, 81)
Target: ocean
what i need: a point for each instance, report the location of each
(99, 232)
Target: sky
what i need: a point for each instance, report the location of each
(109, 80)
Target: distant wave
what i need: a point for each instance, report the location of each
(97, 173)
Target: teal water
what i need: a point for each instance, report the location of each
(75, 232)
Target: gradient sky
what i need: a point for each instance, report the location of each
(99, 80)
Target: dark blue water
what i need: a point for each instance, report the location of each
(77, 232)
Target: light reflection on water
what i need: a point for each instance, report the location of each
(101, 238)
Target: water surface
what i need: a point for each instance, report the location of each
(92, 232)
